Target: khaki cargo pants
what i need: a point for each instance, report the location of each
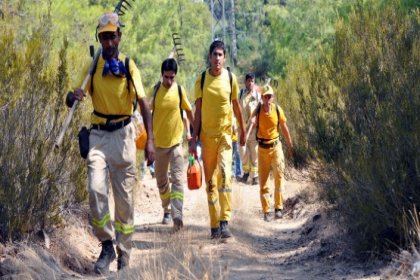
(112, 157)
(170, 195)
(249, 155)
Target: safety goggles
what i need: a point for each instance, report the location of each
(111, 18)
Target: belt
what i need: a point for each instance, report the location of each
(112, 126)
(268, 146)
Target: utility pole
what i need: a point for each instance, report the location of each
(232, 27)
(221, 27)
(218, 20)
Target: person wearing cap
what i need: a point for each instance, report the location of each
(112, 149)
(268, 119)
(249, 100)
(216, 92)
(169, 104)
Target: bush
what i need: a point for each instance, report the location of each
(357, 108)
(35, 181)
(376, 65)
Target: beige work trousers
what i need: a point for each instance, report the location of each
(172, 159)
(112, 154)
(249, 156)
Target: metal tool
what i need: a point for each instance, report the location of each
(177, 48)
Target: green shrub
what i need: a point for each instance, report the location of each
(376, 65)
(358, 109)
(36, 178)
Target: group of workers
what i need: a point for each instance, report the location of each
(115, 93)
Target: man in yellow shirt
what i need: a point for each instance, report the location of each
(216, 91)
(169, 101)
(112, 149)
(268, 119)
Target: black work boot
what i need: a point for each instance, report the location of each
(278, 214)
(224, 230)
(255, 181)
(166, 219)
(178, 224)
(245, 178)
(215, 233)
(105, 258)
(123, 261)
(268, 217)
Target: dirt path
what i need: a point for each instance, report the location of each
(296, 247)
(303, 245)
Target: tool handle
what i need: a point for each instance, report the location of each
(66, 123)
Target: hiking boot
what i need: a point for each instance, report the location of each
(255, 181)
(224, 230)
(245, 178)
(123, 261)
(166, 218)
(105, 258)
(178, 224)
(215, 233)
(278, 214)
(268, 217)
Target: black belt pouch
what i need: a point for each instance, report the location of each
(84, 141)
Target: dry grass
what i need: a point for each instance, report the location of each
(406, 264)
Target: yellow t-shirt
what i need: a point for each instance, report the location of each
(110, 94)
(268, 123)
(167, 121)
(216, 108)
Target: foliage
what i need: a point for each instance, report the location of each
(357, 108)
(35, 182)
(376, 64)
(271, 33)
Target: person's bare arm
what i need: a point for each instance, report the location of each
(196, 126)
(149, 150)
(286, 135)
(239, 117)
(186, 120)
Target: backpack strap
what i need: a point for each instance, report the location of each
(91, 77)
(258, 109)
(180, 101)
(155, 90)
(203, 77)
(128, 77)
(230, 81)
(262, 140)
(241, 93)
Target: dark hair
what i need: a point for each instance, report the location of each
(217, 44)
(249, 76)
(169, 64)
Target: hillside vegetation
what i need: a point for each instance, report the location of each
(345, 72)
